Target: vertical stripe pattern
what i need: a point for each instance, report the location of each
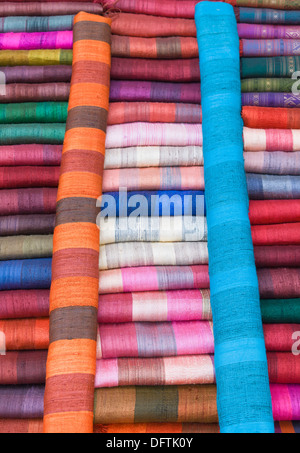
(71, 364)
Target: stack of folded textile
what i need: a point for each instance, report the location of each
(36, 42)
(154, 310)
(155, 366)
(271, 139)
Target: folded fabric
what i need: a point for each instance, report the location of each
(142, 25)
(186, 404)
(14, 177)
(282, 337)
(155, 306)
(134, 254)
(171, 8)
(276, 163)
(160, 404)
(152, 156)
(37, 74)
(154, 112)
(34, 41)
(262, 212)
(36, 92)
(156, 178)
(270, 139)
(42, 112)
(19, 426)
(285, 401)
(274, 4)
(35, 426)
(277, 256)
(33, 24)
(281, 234)
(279, 283)
(143, 428)
(271, 118)
(25, 334)
(32, 303)
(150, 339)
(33, 154)
(22, 401)
(187, 70)
(176, 70)
(153, 203)
(32, 133)
(27, 224)
(282, 163)
(266, 187)
(256, 85)
(145, 229)
(48, 9)
(24, 367)
(287, 427)
(267, 16)
(269, 67)
(35, 57)
(148, 91)
(153, 134)
(287, 100)
(268, 47)
(249, 31)
(274, 283)
(28, 201)
(280, 311)
(167, 339)
(156, 48)
(284, 368)
(25, 274)
(168, 134)
(153, 279)
(24, 247)
(183, 370)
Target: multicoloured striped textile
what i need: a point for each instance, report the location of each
(11, 178)
(33, 154)
(22, 401)
(24, 304)
(266, 16)
(158, 278)
(23, 368)
(28, 201)
(45, 8)
(36, 57)
(74, 290)
(27, 224)
(183, 370)
(25, 274)
(25, 92)
(187, 8)
(23, 24)
(155, 339)
(25, 247)
(36, 74)
(25, 334)
(160, 404)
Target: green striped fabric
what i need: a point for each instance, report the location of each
(34, 112)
